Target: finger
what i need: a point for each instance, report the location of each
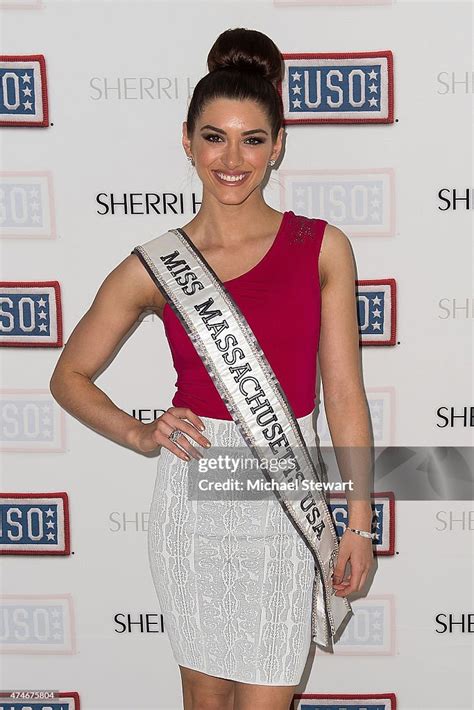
(181, 441)
(186, 427)
(338, 573)
(341, 585)
(167, 444)
(353, 585)
(345, 592)
(162, 435)
(186, 413)
(187, 446)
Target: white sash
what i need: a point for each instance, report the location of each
(254, 398)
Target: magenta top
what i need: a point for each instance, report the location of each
(281, 301)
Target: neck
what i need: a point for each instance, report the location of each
(218, 223)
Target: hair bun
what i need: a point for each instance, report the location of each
(246, 50)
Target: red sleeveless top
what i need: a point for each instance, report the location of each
(281, 301)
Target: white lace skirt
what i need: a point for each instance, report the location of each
(233, 578)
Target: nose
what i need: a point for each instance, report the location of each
(232, 157)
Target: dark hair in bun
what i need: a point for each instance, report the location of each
(243, 64)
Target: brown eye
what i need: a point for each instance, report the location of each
(211, 136)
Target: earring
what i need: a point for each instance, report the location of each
(191, 159)
(271, 163)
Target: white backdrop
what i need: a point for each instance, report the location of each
(102, 141)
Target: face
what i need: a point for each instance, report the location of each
(231, 146)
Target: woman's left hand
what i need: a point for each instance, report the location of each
(356, 550)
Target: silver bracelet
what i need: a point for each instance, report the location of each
(363, 533)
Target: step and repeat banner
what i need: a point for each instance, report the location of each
(378, 111)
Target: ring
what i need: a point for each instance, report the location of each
(175, 434)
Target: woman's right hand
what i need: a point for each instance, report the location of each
(156, 433)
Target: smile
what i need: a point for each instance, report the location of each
(230, 179)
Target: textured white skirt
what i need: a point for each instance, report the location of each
(233, 578)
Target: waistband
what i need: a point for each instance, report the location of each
(231, 424)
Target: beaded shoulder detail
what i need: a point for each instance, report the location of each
(304, 230)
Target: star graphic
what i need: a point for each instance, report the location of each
(296, 76)
(26, 78)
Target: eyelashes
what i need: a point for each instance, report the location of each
(210, 138)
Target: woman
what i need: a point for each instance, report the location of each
(233, 577)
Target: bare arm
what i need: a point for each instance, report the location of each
(346, 404)
(125, 293)
(345, 401)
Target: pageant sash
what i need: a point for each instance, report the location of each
(254, 397)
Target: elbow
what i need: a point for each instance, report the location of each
(57, 383)
(53, 387)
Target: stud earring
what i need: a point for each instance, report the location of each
(271, 163)
(191, 159)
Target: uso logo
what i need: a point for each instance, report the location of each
(377, 311)
(27, 205)
(343, 701)
(39, 700)
(37, 624)
(24, 95)
(30, 314)
(361, 201)
(31, 421)
(383, 519)
(34, 523)
(353, 87)
(370, 631)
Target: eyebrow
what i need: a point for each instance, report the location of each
(244, 133)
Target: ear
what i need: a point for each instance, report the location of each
(186, 140)
(277, 147)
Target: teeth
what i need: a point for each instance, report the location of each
(231, 178)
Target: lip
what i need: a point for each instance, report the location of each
(236, 183)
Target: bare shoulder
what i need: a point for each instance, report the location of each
(336, 255)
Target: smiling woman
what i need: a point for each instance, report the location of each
(244, 585)
(231, 154)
